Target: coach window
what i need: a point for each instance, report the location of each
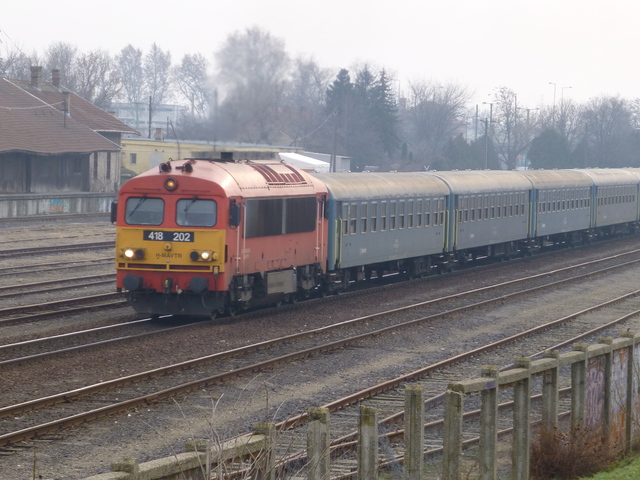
(392, 215)
(144, 211)
(435, 212)
(194, 212)
(427, 213)
(363, 217)
(419, 213)
(465, 203)
(472, 208)
(374, 216)
(345, 218)
(401, 213)
(410, 213)
(383, 216)
(353, 218)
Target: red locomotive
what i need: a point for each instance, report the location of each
(201, 237)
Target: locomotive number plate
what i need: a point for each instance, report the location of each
(163, 236)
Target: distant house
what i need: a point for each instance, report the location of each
(52, 141)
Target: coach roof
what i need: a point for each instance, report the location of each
(374, 185)
(469, 182)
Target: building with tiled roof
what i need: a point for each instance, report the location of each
(52, 141)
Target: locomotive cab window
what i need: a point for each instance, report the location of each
(194, 212)
(144, 211)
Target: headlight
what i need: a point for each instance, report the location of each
(204, 256)
(131, 253)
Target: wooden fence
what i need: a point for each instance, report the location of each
(604, 400)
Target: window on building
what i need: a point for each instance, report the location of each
(133, 158)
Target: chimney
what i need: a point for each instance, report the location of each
(35, 76)
(55, 77)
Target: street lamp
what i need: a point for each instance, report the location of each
(562, 93)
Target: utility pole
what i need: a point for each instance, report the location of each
(150, 115)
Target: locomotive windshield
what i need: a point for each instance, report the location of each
(194, 212)
(144, 211)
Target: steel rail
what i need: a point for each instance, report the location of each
(261, 366)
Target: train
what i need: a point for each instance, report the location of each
(202, 237)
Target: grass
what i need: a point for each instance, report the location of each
(627, 470)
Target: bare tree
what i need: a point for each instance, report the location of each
(609, 132)
(97, 78)
(252, 67)
(510, 133)
(157, 70)
(303, 109)
(15, 64)
(190, 79)
(64, 57)
(129, 62)
(434, 114)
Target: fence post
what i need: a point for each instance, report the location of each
(414, 431)
(488, 457)
(520, 450)
(368, 444)
(578, 388)
(263, 467)
(452, 435)
(318, 444)
(550, 394)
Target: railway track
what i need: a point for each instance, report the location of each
(55, 250)
(40, 348)
(56, 285)
(239, 362)
(54, 217)
(55, 266)
(30, 313)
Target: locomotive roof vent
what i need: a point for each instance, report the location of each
(280, 174)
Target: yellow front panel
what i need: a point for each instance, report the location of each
(170, 249)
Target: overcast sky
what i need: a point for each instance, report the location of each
(588, 45)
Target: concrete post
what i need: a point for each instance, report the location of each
(128, 465)
(452, 435)
(608, 391)
(578, 389)
(550, 395)
(263, 467)
(318, 444)
(414, 431)
(632, 395)
(488, 457)
(368, 444)
(520, 450)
